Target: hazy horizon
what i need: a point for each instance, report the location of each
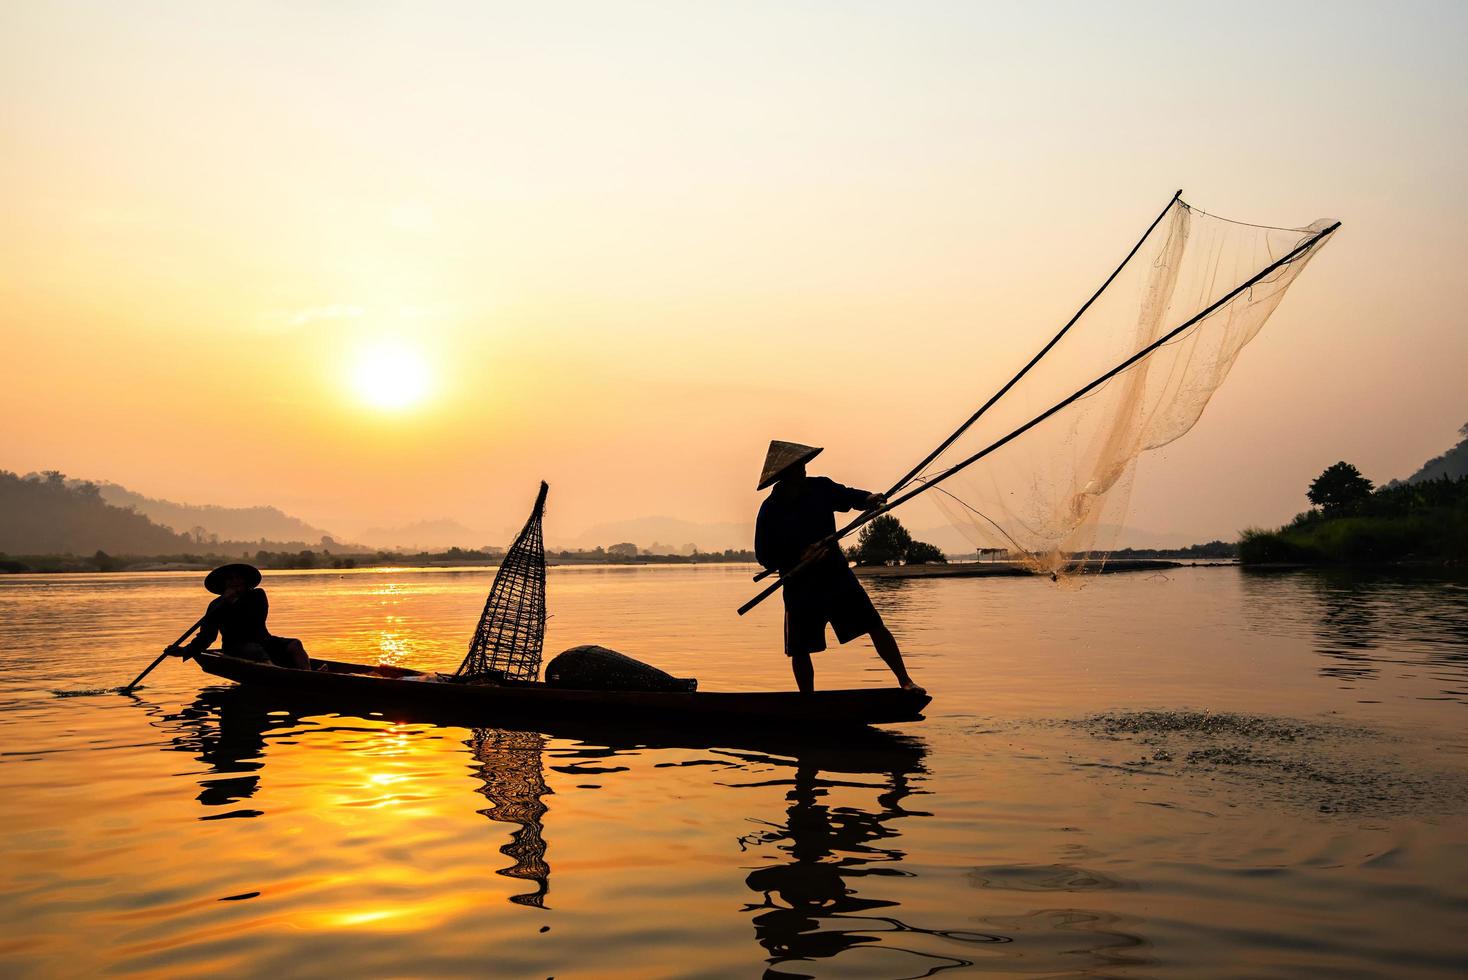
(374, 265)
(645, 531)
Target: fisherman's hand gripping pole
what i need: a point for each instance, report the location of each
(172, 650)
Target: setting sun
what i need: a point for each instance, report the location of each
(391, 376)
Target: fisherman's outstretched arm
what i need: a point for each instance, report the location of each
(845, 498)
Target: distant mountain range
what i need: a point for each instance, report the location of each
(271, 524)
(44, 514)
(228, 523)
(49, 514)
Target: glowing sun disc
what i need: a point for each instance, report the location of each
(390, 376)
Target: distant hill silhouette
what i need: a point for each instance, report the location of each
(1452, 464)
(42, 514)
(232, 523)
(47, 514)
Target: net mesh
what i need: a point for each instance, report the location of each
(507, 643)
(1056, 499)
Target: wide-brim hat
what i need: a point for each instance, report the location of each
(216, 579)
(781, 457)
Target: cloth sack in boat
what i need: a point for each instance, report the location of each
(594, 668)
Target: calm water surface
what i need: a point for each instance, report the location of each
(1203, 773)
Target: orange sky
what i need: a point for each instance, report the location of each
(625, 245)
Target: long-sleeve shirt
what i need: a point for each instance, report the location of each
(793, 517)
(238, 621)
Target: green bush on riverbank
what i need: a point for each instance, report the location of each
(1425, 521)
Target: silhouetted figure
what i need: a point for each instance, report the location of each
(793, 521)
(238, 616)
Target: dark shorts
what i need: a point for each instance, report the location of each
(844, 604)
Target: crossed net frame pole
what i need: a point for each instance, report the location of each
(507, 644)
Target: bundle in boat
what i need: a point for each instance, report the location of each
(594, 668)
(507, 644)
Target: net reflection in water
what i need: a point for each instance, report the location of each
(509, 763)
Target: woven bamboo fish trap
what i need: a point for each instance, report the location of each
(507, 645)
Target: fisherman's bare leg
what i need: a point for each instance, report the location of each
(886, 645)
(296, 651)
(805, 672)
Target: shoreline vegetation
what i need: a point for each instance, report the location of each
(1424, 522)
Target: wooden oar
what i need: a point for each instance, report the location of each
(166, 651)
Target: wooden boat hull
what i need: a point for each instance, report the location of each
(389, 687)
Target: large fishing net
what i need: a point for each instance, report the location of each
(1056, 497)
(507, 643)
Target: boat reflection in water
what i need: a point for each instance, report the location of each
(228, 729)
(509, 763)
(824, 867)
(817, 902)
(225, 729)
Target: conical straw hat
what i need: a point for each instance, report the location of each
(216, 580)
(781, 457)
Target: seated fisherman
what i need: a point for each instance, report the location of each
(238, 617)
(793, 521)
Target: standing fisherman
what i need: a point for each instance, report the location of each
(793, 522)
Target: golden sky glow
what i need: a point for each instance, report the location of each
(622, 246)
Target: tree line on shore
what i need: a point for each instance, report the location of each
(1351, 521)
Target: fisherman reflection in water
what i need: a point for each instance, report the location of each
(237, 617)
(794, 521)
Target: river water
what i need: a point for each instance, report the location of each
(1200, 773)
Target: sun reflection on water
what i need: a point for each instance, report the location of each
(392, 648)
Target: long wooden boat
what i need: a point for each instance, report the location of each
(388, 687)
